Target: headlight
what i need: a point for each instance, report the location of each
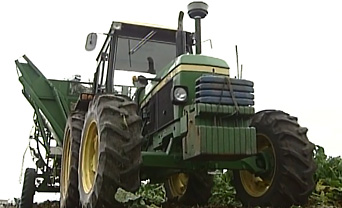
(180, 95)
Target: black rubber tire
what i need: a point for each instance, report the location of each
(73, 128)
(293, 180)
(198, 190)
(119, 157)
(29, 188)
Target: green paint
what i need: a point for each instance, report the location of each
(165, 162)
(213, 133)
(199, 136)
(187, 78)
(190, 59)
(50, 98)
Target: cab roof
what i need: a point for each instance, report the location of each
(140, 30)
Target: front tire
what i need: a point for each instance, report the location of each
(290, 180)
(69, 196)
(189, 189)
(110, 153)
(29, 188)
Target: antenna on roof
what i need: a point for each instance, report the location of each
(241, 72)
(211, 43)
(237, 61)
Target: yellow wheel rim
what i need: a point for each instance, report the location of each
(254, 185)
(66, 162)
(178, 184)
(89, 162)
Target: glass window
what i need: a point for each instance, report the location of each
(162, 53)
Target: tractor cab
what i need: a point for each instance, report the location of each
(143, 48)
(137, 48)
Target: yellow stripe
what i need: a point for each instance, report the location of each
(182, 68)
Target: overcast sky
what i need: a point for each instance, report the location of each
(291, 49)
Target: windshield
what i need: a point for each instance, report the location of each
(129, 57)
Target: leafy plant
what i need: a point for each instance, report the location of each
(223, 193)
(152, 194)
(328, 179)
(148, 195)
(328, 191)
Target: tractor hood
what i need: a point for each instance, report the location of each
(188, 63)
(192, 60)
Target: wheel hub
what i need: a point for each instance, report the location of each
(257, 185)
(178, 184)
(89, 156)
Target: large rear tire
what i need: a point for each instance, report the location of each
(29, 188)
(290, 179)
(110, 152)
(189, 189)
(69, 196)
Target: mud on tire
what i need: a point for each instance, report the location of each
(291, 180)
(113, 129)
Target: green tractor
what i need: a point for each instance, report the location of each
(178, 123)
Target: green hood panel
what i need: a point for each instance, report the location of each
(190, 59)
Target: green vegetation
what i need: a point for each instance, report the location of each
(328, 190)
(328, 179)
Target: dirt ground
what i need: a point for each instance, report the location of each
(46, 204)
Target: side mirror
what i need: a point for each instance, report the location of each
(142, 81)
(91, 42)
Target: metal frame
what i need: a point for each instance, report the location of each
(52, 101)
(108, 50)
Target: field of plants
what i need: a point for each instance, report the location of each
(328, 192)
